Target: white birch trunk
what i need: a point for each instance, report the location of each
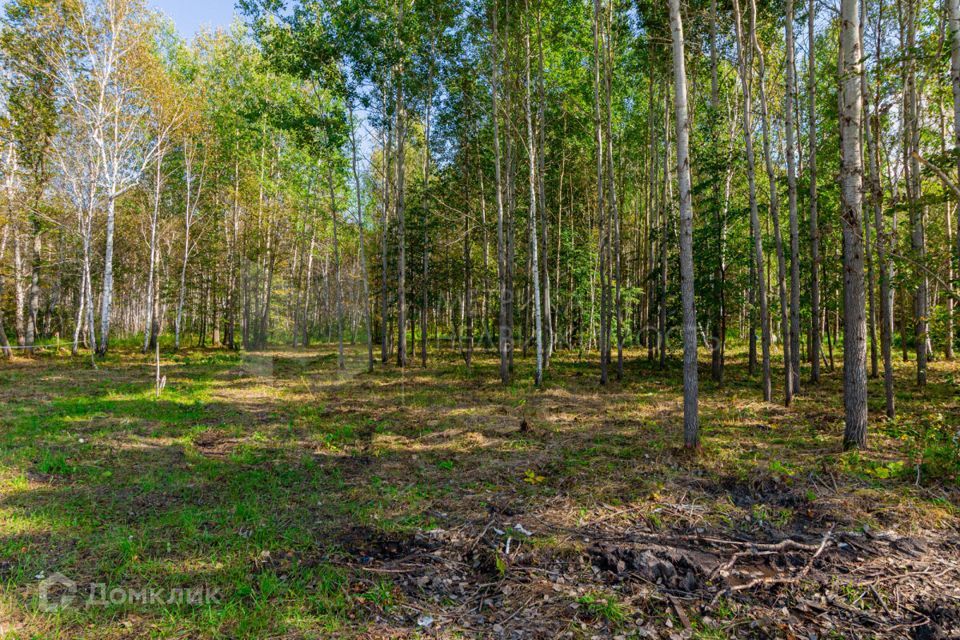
(534, 258)
(851, 184)
(691, 424)
(791, 99)
(759, 283)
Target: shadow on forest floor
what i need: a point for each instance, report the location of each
(318, 503)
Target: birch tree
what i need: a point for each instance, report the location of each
(790, 100)
(103, 95)
(759, 282)
(851, 183)
(774, 209)
(815, 311)
(691, 424)
(534, 239)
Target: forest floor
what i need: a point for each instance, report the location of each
(266, 495)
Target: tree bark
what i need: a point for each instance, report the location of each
(954, 34)
(761, 291)
(791, 99)
(367, 313)
(534, 239)
(881, 241)
(401, 231)
(913, 185)
(548, 324)
(815, 312)
(664, 227)
(33, 295)
(691, 425)
(384, 235)
(334, 214)
(774, 211)
(506, 319)
(424, 306)
(601, 186)
(851, 182)
(4, 343)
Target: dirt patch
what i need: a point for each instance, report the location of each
(215, 444)
(370, 545)
(477, 578)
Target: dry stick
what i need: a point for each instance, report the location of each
(793, 579)
(783, 545)
(761, 550)
(883, 604)
(518, 610)
(638, 536)
(482, 533)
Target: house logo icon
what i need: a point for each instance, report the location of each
(57, 592)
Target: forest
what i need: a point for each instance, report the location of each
(480, 318)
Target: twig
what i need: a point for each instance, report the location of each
(880, 600)
(517, 611)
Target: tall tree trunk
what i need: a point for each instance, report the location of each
(467, 286)
(868, 180)
(151, 271)
(774, 211)
(719, 302)
(33, 294)
(361, 232)
(881, 242)
(506, 318)
(81, 307)
(534, 239)
(425, 305)
(814, 223)
(334, 214)
(19, 291)
(548, 324)
(664, 228)
(601, 185)
(384, 235)
(178, 324)
(691, 424)
(87, 230)
(308, 298)
(106, 300)
(954, 33)
(401, 230)
(913, 184)
(761, 291)
(4, 343)
(650, 218)
(613, 216)
(791, 99)
(851, 182)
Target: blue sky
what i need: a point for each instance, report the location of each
(192, 15)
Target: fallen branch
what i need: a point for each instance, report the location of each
(790, 580)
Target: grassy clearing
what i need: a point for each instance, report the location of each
(271, 479)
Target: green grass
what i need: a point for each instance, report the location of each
(604, 606)
(250, 471)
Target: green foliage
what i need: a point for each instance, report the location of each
(380, 595)
(55, 464)
(604, 606)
